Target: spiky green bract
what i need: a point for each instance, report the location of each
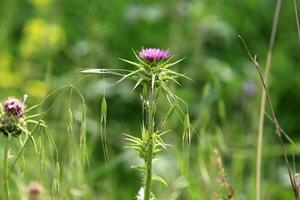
(158, 73)
(140, 144)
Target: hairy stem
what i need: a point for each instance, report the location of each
(149, 169)
(5, 170)
(263, 101)
(151, 106)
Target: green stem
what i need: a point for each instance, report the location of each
(263, 102)
(150, 129)
(5, 170)
(148, 161)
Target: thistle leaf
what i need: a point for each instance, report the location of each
(132, 63)
(130, 137)
(137, 84)
(129, 75)
(178, 74)
(165, 62)
(174, 63)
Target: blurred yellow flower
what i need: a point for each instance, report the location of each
(40, 36)
(5, 61)
(41, 3)
(36, 88)
(8, 79)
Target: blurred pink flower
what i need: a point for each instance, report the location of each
(35, 189)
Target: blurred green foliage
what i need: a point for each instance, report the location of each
(44, 42)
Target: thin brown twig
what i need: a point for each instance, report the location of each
(284, 134)
(276, 123)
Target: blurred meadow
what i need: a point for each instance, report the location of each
(45, 42)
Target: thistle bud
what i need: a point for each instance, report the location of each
(12, 121)
(14, 107)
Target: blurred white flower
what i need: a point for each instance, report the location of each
(152, 13)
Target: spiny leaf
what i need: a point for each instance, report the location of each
(139, 59)
(163, 133)
(134, 141)
(137, 148)
(178, 74)
(171, 78)
(174, 63)
(131, 137)
(132, 63)
(128, 75)
(137, 84)
(165, 62)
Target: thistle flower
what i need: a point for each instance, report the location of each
(12, 121)
(153, 54)
(153, 71)
(250, 88)
(14, 107)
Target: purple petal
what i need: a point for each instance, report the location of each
(152, 54)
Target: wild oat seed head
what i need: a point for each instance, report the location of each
(154, 54)
(13, 106)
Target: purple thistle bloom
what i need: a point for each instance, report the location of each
(14, 107)
(152, 54)
(250, 88)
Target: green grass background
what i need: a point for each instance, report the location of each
(44, 42)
